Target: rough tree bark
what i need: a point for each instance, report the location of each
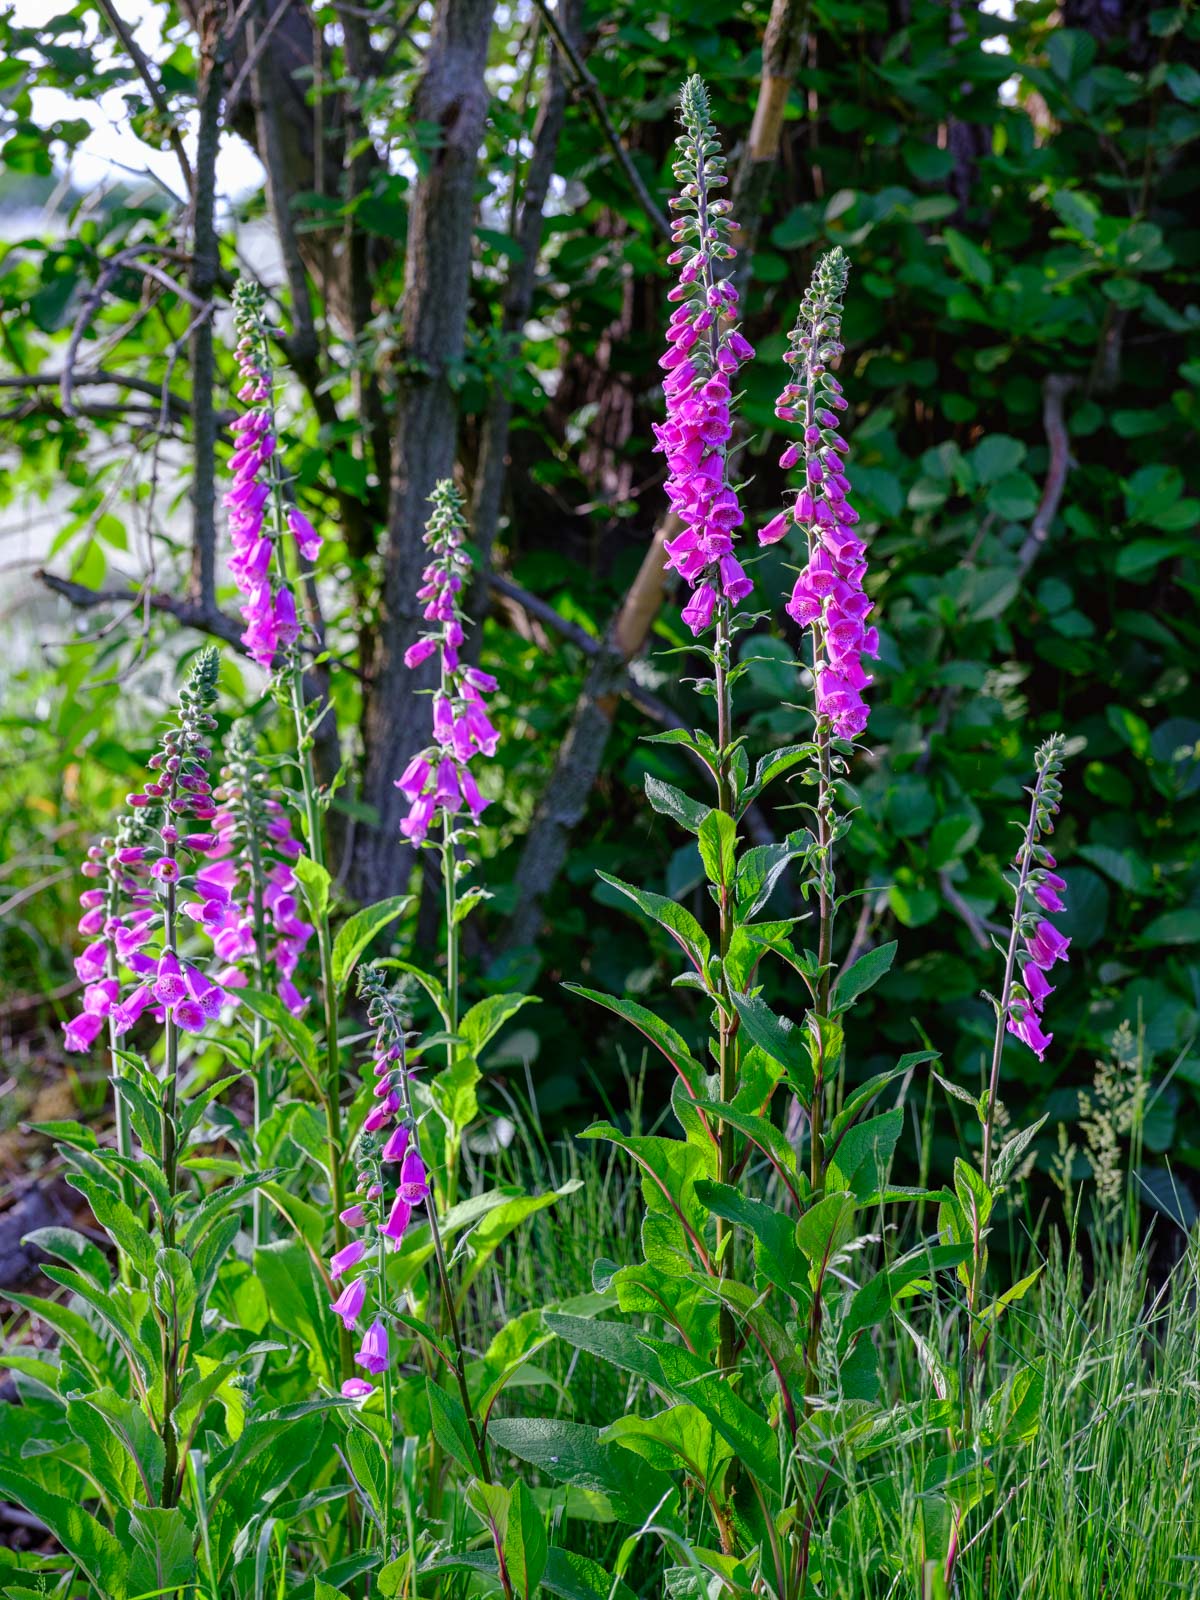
(492, 469)
(452, 96)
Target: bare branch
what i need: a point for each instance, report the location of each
(175, 404)
(527, 230)
(978, 927)
(153, 87)
(1054, 392)
(203, 279)
(591, 92)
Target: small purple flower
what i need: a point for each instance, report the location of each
(346, 1258)
(414, 1181)
(398, 1220)
(373, 1355)
(80, 1033)
(397, 1146)
(357, 1389)
(349, 1303)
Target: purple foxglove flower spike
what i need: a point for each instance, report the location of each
(1036, 880)
(704, 349)
(437, 781)
(828, 596)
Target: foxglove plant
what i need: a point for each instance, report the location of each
(964, 1215)
(438, 781)
(159, 855)
(273, 541)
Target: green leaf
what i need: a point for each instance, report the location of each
(745, 1429)
(875, 1299)
(1173, 927)
(779, 1038)
(525, 1544)
(614, 1342)
(1011, 1152)
(763, 1133)
(774, 1234)
(717, 839)
(572, 1576)
(861, 1159)
(968, 257)
(823, 1229)
(655, 1029)
(760, 869)
(295, 1034)
(671, 802)
(858, 1098)
(357, 931)
(680, 924)
(119, 1222)
(995, 456)
(74, 1248)
(572, 1452)
(991, 1314)
(485, 1019)
(315, 882)
(865, 972)
(97, 1551)
(777, 763)
(162, 1560)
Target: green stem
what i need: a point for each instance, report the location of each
(389, 1425)
(261, 1069)
(450, 890)
(726, 1044)
(170, 1158)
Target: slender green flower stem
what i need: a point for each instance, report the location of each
(124, 1127)
(389, 1426)
(727, 1061)
(261, 1070)
(170, 1160)
(314, 830)
(726, 1017)
(450, 891)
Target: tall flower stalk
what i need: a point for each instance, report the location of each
(438, 782)
(706, 348)
(153, 860)
(249, 907)
(1037, 890)
(829, 601)
(273, 544)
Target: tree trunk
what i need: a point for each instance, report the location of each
(453, 96)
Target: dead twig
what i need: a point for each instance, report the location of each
(591, 92)
(153, 87)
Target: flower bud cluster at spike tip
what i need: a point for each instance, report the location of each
(143, 872)
(251, 871)
(828, 595)
(705, 349)
(1043, 943)
(439, 780)
(269, 612)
